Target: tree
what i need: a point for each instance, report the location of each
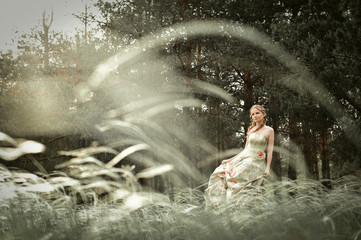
(315, 32)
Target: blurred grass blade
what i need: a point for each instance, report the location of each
(127, 152)
(25, 147)
(88, 151)
(214, 90)
(140, 105)
(79, 161)
(125, 127)
(31, 147)
(154, 171)
(141, 199)
(102, 186)
(172, 105)
(37, 164)
(8, 139)
(65, 182)
(10, 154)
(118, 194)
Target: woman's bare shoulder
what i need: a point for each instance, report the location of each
(268, 128)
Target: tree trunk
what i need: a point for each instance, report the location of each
(187, 63)
(315, 170)
(46, 28)
(276, 160)
(199, 55)
(324, 159)
(293, 149)
(248, 91)
(86, 24)
(310, 152)
(219, 128)
(274, 117)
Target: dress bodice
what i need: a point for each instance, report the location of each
(257, 141)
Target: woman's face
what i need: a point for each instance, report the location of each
(257, 115)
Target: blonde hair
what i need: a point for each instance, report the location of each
(260, 108)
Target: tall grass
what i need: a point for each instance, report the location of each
(310, 212)
(86, 198)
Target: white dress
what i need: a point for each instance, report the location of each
(242, 172)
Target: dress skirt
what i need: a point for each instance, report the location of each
(243, 172)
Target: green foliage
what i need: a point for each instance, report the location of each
(8, 70)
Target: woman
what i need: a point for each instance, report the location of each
(247, 168)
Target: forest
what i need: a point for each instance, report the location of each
(112, 133)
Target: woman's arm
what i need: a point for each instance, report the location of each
(246, 141)
(228, 160)
(269, 151)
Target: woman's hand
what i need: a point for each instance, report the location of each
(226, 161)
(266, 172)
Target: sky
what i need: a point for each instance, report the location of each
(22, 15)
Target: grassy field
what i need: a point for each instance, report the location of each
(283, 210)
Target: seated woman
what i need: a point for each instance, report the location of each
(247, 168)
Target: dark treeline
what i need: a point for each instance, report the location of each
(323, 35)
